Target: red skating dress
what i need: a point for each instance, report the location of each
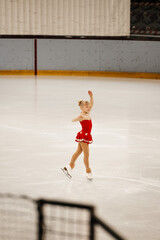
(85, 134)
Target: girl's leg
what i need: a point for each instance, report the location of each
(85, 148)
(75, 156)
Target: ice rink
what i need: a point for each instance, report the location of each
(37, 138)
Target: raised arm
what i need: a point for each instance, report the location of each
(79, 118)
(91, 98)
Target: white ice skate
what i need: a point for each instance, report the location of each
(67, 170)
(89, 176)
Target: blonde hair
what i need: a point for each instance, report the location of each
(82, 102)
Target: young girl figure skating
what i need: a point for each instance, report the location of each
(84, 137)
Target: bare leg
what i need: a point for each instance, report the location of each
(85, 148)
(75, 156)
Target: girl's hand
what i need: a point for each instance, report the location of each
(90, 93)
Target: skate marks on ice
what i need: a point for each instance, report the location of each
(153, 186)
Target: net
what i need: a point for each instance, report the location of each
(22, 218)
(61, 221)
(18, 218)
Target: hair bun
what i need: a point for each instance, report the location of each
(80, 102)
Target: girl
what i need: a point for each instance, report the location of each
(84, 137)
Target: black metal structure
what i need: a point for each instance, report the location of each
(93, 220)
(22, 217)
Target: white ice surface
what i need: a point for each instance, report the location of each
(37, 139)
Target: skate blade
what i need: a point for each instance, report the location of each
(90, 179)
(69, 176)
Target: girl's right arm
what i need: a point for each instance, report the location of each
(91, 99)
(79, 118)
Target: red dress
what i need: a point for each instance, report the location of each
(85, 134)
